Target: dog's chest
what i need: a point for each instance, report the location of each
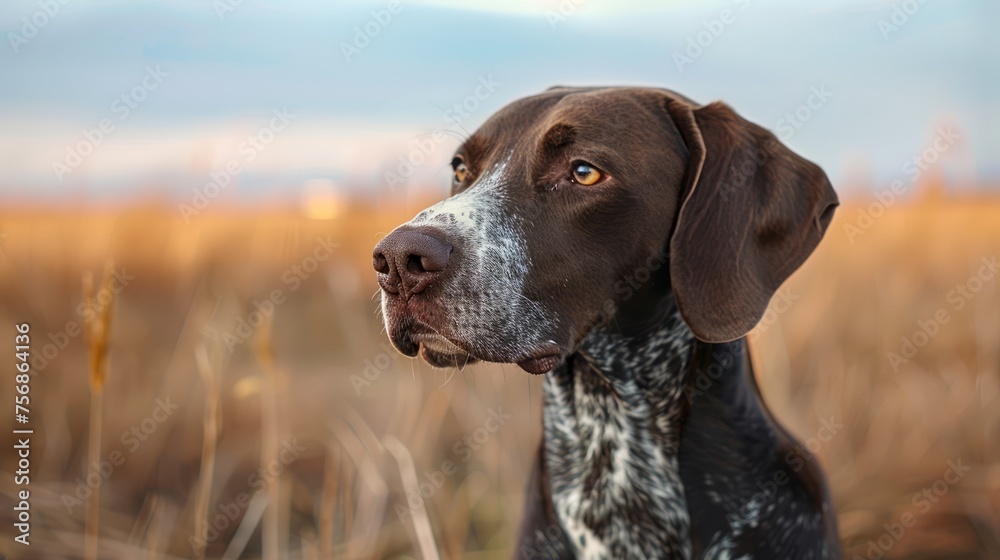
(611, 438)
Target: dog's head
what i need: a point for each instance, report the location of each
(568, 203)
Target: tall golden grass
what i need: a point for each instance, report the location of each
(98, 331)
(312, 439)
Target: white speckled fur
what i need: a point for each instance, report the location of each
(624, 403)
(491, 238)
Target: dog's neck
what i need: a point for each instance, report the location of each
(612, 417)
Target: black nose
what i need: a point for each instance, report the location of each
(407, 261)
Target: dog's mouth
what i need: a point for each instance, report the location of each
(439, 350)
(541, 362)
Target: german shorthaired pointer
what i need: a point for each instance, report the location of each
(623, 241)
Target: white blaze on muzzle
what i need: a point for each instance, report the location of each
(484, 290)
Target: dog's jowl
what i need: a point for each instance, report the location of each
(622, 242)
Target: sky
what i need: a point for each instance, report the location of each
(111, 100)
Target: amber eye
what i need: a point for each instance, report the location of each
(461, 171)
(585, 174)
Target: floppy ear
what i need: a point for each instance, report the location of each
(752, 212)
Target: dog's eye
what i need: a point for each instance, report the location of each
(586, 174)
(461, 171)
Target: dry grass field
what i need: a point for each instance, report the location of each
(251, 406)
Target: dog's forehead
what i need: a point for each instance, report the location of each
(615, 121)
(626, 132)
(586, 108)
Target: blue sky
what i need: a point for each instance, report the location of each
(218, 79)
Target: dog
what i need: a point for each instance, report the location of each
(623, 241)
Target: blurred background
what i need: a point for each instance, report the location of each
(189, 196)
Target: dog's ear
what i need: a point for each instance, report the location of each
(752, 212)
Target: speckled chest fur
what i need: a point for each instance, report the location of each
(611, 426)
(640, 463)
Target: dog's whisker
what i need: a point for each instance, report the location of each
(445, 112)
(453, 370)
(455, 133)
